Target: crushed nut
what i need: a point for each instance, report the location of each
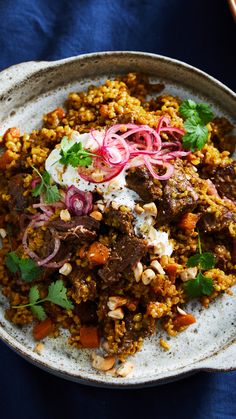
(97, 176)
(138, 209)
(102, 364)
(117, 314)
(3, 233)
(114, 205)
(189, 273)
(150, 209)
(65, 215)
(113, 185)
(65, 269)
(157, 266)
(101, 207)
(39, 348)
(181, 311)
(138, 270)
(147, 276)
(115, 302)
(125, 369)
(96, 215)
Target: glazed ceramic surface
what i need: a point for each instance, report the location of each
(30, 89)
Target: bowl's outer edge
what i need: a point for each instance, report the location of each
(225, 359)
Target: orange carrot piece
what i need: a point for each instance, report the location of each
(82, 252)
(89, 337)
(171, 270)
(5, 159)
(60, 113)
(188, 221)
(14, 132)
(183, 320)
(98, 253)
(42, 329)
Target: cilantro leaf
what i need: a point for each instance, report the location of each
(52, 193)
(34, 294)
(197, 115)
(201, 112)
(199, 286)
(187, 108)
(38, 189)
(57, 295)
(74, 155)
(196, 135)
(203, 260)
(205, 113)
(27, 268)
(12, 262)
(39, 312)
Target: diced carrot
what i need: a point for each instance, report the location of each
(188, 221)
(98, 253)
(171, 270)
(89, 337)
(42, 329)
(82, 252)
(5, 159)
(14, 132)
(183, 320)
(60, 112)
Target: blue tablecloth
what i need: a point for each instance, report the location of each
(201, 33)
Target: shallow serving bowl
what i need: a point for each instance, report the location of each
(30, 89)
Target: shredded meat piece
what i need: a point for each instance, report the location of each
(120, 220)
(126, 252)
(80, 227)
(225, 181)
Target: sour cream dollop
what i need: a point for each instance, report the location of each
(112, 191)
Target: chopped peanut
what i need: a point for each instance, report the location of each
(96, 215)
(103, 364)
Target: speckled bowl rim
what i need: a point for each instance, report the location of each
(211, 363)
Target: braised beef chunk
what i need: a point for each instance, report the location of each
(120, 220)
(126, 252)
(87, 312)
(225, 181)
(178, 197)
(80, 227)
(18, 201)
(141, 181)
(217, 221)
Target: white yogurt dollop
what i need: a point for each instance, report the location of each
(112, 191)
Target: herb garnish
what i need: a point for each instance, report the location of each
(201, 285)
(56, 294)
(27, 268)
(197, 116)
(51, 192)
(74, 155)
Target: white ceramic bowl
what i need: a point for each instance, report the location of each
(30, 89)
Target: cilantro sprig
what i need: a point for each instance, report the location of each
(201, 285)
(197, 116)
(51, 192)
(74, 155)
(57, 294)
(27, 268)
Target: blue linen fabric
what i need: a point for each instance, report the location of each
(201, 33)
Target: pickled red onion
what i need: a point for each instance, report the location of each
(129, 145)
